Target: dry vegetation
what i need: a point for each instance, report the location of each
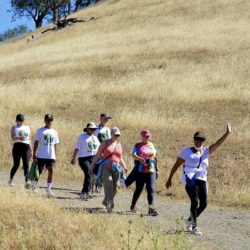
(33, 223)
(171, 66)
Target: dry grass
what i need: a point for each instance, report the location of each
(172, 66)
(28, 222)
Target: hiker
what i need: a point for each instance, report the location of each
(195, 163)
(112, 163)
(145, 171)
(85, 149)
(46, 140)
(20, 135)
(103, 132)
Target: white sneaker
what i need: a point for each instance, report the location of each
(196, 231)
(10, 183)
(83, 196)
(50, 194)
(34, 187)
(188, 225)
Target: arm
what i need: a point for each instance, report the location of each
(73, 160)
(97, 156)
(214, 146)
(14, 137)
(35, 149)
(123, 165)
(177, 164)
(137, 157)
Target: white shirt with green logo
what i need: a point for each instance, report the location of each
(47, 139)
(102, 133)
(23, 131)
(87, 145)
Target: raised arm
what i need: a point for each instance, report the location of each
(214, 146)
(177, 164)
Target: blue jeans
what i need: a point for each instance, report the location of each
(141, 180)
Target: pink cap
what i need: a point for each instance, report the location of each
(145, 132)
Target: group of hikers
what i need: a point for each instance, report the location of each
(100, 156)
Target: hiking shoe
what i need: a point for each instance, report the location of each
(83, 196)
(50, 194)
(196, 231)
(110, 206)
(152, 212)
(188, 224)
(133, 209)
(10, 183)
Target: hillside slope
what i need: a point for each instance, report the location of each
(172, 66)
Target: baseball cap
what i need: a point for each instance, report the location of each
(48, 117)
(145, 132)
(115, 131)
(20, 117)
(105, 115)
(200, 136)
(90, 125)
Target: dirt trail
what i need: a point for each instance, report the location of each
(222, 228)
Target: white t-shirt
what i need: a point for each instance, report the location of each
(23, 131)
(47, 139)
(192, 161)
(102, 133)
(87, 145)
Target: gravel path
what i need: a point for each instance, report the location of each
(223, 228)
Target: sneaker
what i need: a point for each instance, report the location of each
(89, 196)
(110, 206)
(50, 194)
(196, 231)
(152, 212)
(188, 224)
(133, 209)
(83, 196)
(34, 187)
(27, 185)
(10, 183)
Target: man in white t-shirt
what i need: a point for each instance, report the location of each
(46, 140)
(103, 132)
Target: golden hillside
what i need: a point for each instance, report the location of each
(171, 66)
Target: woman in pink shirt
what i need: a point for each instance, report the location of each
(110, 155)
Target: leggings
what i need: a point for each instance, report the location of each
(85, 163)
(20, 150)
(197, 194)
(141, 180)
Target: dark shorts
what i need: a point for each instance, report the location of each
(45, 162)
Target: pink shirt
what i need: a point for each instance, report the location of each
(115, 157)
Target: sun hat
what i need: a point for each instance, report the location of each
(48, 117)
(199, 135)
(115, 131)
(90, 125)
(20, 117)
(105, 115)
(145, 132)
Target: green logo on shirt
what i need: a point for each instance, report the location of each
(48, 138)
(92, 145)
(23, 133)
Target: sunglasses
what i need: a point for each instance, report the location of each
(199, 139)
(92, 129)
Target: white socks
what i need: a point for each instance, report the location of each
(49, 186)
